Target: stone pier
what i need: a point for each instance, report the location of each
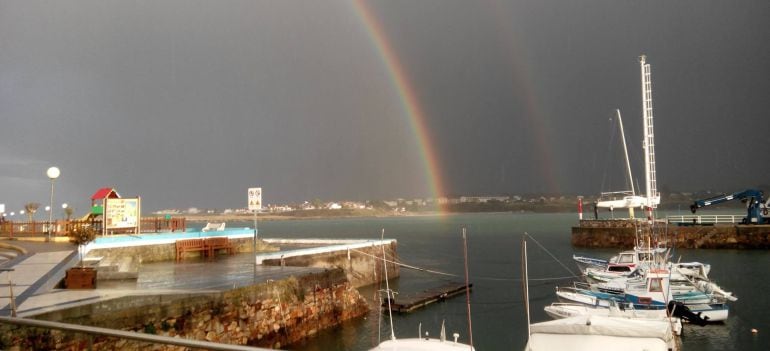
(622, 233)
(270, 314)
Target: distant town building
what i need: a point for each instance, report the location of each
(483, 199)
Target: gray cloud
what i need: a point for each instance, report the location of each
(190, 103)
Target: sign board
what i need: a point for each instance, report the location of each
(2, 208)
(255, 199)
(121, 213)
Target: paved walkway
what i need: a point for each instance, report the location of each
(193, 275)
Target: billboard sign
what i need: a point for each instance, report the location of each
(121, 213)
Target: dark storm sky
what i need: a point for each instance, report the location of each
(188, 103)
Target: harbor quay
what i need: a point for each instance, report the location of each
(223, 299)
(622, 233)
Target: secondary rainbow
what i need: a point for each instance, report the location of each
(407, 96)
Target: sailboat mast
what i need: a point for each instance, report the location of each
(625, 152)
(650, 180)
(628, 163)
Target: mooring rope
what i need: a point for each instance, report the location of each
(550, 254)
(425, 270)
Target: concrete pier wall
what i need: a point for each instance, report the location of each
(271, 314)
(166, 251)
(362, 262)
(621, 234)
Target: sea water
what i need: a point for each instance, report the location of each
(498, 316)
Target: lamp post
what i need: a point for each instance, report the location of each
(52, 173)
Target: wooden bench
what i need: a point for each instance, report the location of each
(186, 245)
(217, 243)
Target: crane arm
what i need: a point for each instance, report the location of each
(741, 195)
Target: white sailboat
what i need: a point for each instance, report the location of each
(629, 199)
(419, 343)
(592, 332)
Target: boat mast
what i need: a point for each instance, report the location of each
(650, 180)
(628, 163)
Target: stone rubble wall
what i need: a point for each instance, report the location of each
(269, 315)
(621, 234)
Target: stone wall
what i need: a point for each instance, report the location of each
(722, 237)
(167, 252)
(266, 315)
(362, 266)
(621, 234)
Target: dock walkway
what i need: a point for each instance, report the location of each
(411, 302)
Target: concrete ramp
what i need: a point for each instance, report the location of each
(35, 274)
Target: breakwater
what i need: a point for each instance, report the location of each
(270, 314)
(360, 259)
(622, 233)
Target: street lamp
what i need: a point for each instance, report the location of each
(67, 212)
(52, 174)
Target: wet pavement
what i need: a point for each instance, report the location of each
(189, 276)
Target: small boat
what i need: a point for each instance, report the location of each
(423, 344)
(591, 333)
(652, 293)
(419, 343)
(565, 310)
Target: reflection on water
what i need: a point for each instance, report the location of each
(499, 319)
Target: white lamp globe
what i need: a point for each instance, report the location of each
(53, 172)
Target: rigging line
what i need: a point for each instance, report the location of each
(607, 156)
(405, 265)
(549, 253)
(457, 275)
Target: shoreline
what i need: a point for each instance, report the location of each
(278, 217)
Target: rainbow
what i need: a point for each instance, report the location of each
(407, 96)
(536, 118)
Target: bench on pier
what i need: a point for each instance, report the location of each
(188, 245)
(214, 244)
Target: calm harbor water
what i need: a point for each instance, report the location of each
(497, 308)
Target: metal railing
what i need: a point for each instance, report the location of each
(122, 334)
(705, 219)
(62, 227)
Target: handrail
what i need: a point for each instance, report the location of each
(705, 219)
(62, 227)
(122, 334)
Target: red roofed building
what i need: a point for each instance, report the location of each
(97, 199)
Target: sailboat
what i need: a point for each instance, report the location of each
(629, 199)
(592, 332)
(415, 344)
